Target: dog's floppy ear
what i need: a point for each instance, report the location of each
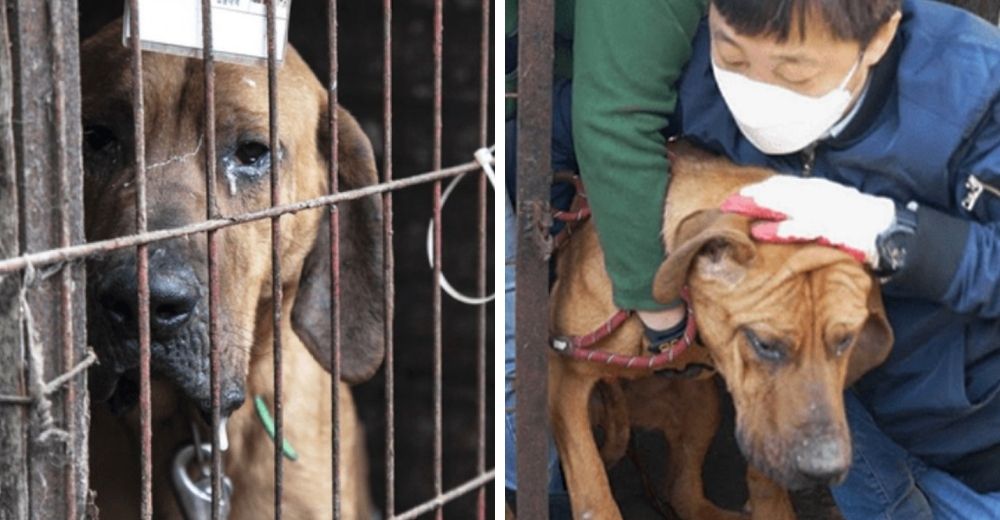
(873, 343)
(361, 280)
(722, 237)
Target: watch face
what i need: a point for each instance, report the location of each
(894, 253)
(892, 248)
(894, 242)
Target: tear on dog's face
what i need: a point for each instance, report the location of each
(176, 186)
(789, 327)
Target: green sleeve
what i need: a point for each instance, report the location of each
(627, 57)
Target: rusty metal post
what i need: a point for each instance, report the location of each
(534, 127)
(48, 168)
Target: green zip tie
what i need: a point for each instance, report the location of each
(265, 417)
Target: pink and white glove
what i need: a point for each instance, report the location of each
(797, 209)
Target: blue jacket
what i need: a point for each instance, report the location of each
(927, 130)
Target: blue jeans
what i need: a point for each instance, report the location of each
(561, 196)
(556, 485)
(887, 483)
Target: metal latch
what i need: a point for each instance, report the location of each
(195, 497)
(975, 189)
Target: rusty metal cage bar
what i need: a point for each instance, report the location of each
(214, 290)
(452, 494)
(65, 239)
(69, 250)
(67, 254)
(276, 288)
(334, 216)
(482, 266)
(436, 282)
(142, 263)
(534, 116)
(65, 304)
(388, 259)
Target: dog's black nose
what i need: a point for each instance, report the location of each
(824, 459)
(172, 298)
(173, 295)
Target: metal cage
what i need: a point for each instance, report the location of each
(44, 412)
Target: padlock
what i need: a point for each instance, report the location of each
(195, 497)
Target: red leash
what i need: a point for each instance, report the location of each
(569, 218)
(580, 347)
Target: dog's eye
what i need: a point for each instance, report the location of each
(843, 344)
(98, 138)
(251, 153)
(247, 163)
(101, 151)
(770, 351)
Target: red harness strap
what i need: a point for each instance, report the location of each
(583, 207)
(579, 347)
(571, 217)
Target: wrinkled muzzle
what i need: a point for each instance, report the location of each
(178, 325)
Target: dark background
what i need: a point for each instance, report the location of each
(360, 42)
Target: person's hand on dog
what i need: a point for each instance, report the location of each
(796, 209)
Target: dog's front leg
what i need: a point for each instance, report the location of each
(569, 393)
(768, 501)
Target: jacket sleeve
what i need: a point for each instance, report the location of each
(627, 57)
(956, 259)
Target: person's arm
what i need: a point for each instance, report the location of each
(626, 58)
(943, 258)
(956, 261)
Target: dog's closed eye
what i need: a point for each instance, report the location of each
(843, 344)
(774, 351)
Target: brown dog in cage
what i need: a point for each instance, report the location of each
(822, 305)
(179, 285)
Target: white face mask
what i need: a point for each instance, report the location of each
(777, 120)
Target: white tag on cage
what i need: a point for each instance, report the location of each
(239, 28)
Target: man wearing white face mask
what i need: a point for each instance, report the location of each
(886, 117)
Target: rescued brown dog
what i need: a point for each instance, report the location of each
(787, 326)
(174, 152)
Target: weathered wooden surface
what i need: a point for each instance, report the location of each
(49, 437)
(13, 483)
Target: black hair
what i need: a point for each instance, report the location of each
(853, 20)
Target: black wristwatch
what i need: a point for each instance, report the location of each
(658, 339)
(893, 243)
